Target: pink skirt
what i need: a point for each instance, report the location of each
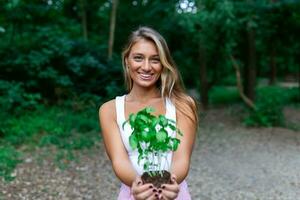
(125, 192)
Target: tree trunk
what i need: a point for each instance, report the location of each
(203, 77)
(250, 71)
(239, 84)
(112, 28)
(84, 20)
(273, 71)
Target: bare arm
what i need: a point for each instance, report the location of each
(182, 156)
(114, 145)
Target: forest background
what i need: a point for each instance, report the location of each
(60, 59)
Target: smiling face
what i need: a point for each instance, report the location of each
(144, 64)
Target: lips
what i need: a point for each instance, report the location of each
(146, 77)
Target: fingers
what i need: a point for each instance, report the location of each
(148, 194)
(173, 177)
(137, 181)
(168, 195)
(147, 191)
(142, 191)
(173, 187)
(169, 191)
(154, 196)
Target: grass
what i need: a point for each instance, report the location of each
(224, 95)
(270, 101)
(9, 158)
(61, 127)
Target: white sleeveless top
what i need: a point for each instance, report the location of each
(126, 132)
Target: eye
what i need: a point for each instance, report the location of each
(155, 60)
(138, 58)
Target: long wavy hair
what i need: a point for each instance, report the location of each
(170, 84)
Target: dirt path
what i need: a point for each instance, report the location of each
(229, 162)
(246, 164)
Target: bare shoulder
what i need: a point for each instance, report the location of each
(107, 109)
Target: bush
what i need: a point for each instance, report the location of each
(62, 127)
(270, 103)
(73, 130)
(224, 95)
(9, 158)
(14, 98)
(58, 67)
(293, 95)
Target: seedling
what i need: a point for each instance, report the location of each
(150, 137)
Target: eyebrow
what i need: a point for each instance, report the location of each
(156, 55)
(140, 54)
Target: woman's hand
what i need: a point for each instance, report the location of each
(142, 191)
(169, 191)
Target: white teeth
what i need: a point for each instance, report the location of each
(145, 75)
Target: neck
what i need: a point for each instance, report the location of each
(143, 95)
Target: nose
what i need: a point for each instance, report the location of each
(146, 65)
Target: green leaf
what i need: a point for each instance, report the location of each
(144, 131)
(132, 118)
(171, 121)
(123, 125)
(144, 118)
(163, 120)
(176, 142)
(133, 141)
(161, 136)
(154, 122)
(149, 109)
(146, 166)
(145, 136)
(172, 127)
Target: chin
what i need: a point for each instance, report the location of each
(147, 85)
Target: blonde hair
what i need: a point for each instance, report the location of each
(170, 84)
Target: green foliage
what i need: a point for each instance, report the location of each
(270, 103)
(13, 97)
(61, 127)
(58, 67)
(228, 80)
(214, 29)
(58, 126)
(224, 95)
(9, 158)
(43, 46)
(45, 60)
(218, 27)
(293, 95)
(63, 158)
(150, 137)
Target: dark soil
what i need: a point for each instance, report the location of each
(157, 180)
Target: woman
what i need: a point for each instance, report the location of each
(152, 80)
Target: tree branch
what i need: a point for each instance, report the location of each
(247, 101)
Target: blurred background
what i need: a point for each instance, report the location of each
(61, 59)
